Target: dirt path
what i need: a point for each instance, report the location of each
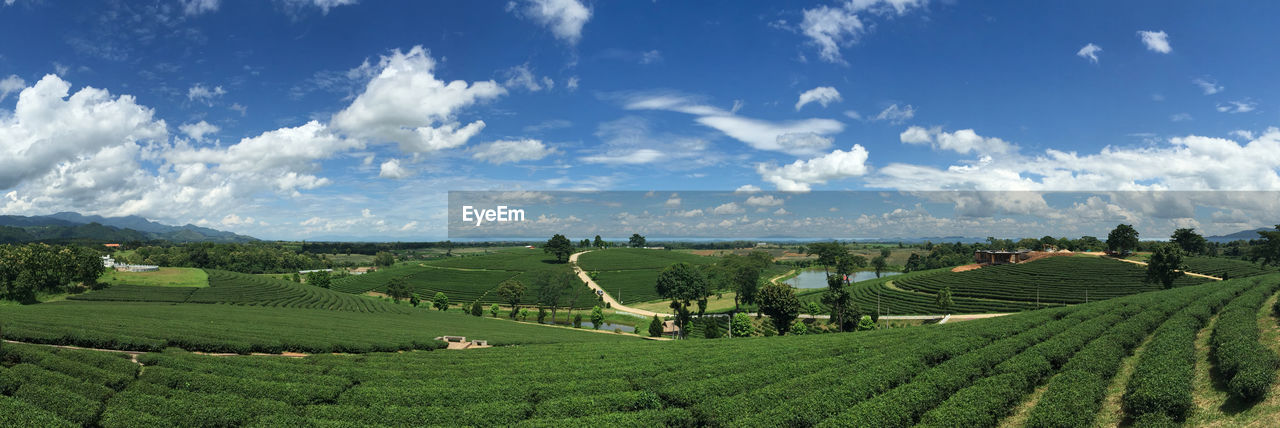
(613, 303)
(133, 355)
(1199, 275)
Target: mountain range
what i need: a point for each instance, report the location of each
(75, 227)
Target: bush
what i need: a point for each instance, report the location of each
(1071, 400)
(741, 325)
(577, 320)
(711, 329)
(1248, 366)
(655, 327)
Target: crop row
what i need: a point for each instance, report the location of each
(42, 386)
(1224, 267)
(877, 293)
(634, 259)
(1248, 366)
(1063, 280)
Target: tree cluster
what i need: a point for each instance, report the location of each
(31, 268)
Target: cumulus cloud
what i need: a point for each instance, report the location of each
(503, 151)
(764, 201)
(800, 175)
(10, 85)
(565, 18)
(405, 103)
(832, 28)
(1089, 52)
(673, 201)
(747, 188)
(202, 94)
(824, 95)
(1156, 41)
(198, 130)
(1242, 134)
(1209, 86)
(729, 208)
(963, 141)
(392, 169)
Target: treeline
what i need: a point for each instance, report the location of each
(28, 269)
(245, 258)
(372, 248)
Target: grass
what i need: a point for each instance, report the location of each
(1215, 406)
(633, 258)
(165, 277)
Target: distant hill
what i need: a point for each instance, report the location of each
(74, 227)
(1241, 235)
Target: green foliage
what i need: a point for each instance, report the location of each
(1189, 241)
(243, 289)
(28, 269)
(684, 284)
(944, 299)
(879, 263)
(398, 288)
(597, 317)
(779, 302)
(741, 325)
(319, 279)
(1165, 265)
(493, 310)
(866, 323)
(440, 302)
(1268, 251)
(711, 330)
(636, 241)
(1122, 240)
(559, 246)
(384, 259)
(1248, 366)
(1223, 267)
(478, 310)
(256, 257)
(655, 326)
(413, 301)
(577, 320)
(511, 291)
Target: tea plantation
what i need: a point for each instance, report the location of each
(1053, 367)
(631, 273)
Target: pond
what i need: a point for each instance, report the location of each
(818, 278)
(608, 326)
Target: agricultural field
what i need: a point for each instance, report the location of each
(1219, 266)
(631, 273)
(1052, 367)
(884, 294)
(468, 278)
(1055, 280)
(165, 277)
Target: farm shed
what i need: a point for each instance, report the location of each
(991, 257)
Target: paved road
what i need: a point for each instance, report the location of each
(573, 261)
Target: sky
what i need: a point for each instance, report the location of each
(351, 120)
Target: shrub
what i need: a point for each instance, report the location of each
(655, 327)
(493, 310)
(711, 328)
(741, 325)
(577, 320)
(17, 413)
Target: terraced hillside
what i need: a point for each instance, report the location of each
(468, 278)
(1054, 280)
(244, 289)
(1224, 267)
(882, 294)
(631, 272)
(1053, 367)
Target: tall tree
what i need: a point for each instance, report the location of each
(684, 284)
(597, 317)
(551, 286)
(636, 241)
(840, 300)
(879, 263)
(598, 243)
(398, 288)
(511, 291)
(779, 302)
(1165, 265)
(829, 253)
(944, 300)
(384, 259)
(1122, 240)
(319, 279)
(1190, 241)
(1267, 251)
(560, 247)
(914, 263)
(440, 302)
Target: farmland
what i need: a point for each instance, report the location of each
(632, 273)
(165, 277)
(1220, 267)
(244, 289)
(883, 293)
(970, 373)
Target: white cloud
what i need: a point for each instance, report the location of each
(10, 85)
(831, 28)
(282, 158)
(324, 5)
(521, 77)
(853, 115)
(198, 130)
(794, 137)
(392, 169)
(48, 128)
(502, 151)
(406, 104)
(197, 7)
(1156, 41)
(747, 188)
(572, 84)
(824, 95)
(635, 157)
(1089, 52)
(200, 93)
(1180, 117)
(565, 18)
(688, 213)
(781, 211)
(729, 208)
(1243, 134)
(650, 57)
(673, 201)
(962, 141)
(896, 115)
(764, 201)
(239, 108)
(632, 141)
(235, 220)
(1242, 106)
(409, 226)
(801, 174)
(1209, 87)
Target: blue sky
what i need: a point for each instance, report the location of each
(339, 119)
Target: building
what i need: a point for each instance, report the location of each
(363, 270)
(304, 272)
(992, 257)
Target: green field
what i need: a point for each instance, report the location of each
(1055, 280)
(877, 294)
(629, 274)
(1218, 266)
(465, 279)
(1053, 367)
(244, 289)
(165, 277)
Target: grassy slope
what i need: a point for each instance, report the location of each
(631, 273)
(165, 277)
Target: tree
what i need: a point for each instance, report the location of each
(866, 323)
(813, 308)
(655, 326)
(511, 291)
(584, 243)
(684, 284)
(319, 279)
(85, 266)
(560, 247)
(440, 302)
(1268, 251)
(1165, 265)
(542, 315)
(1122, 240)
(494, 309)
(476, 309)
(879, 263)
(914, 263)
(384, 259)
(296, 277)
(598, 243)
(524, 314)
(840, 300)
(597, 317)
(577, 321)
(552, 286)
(944, 300)
(779, 302)
(413, 300)
(636, 241)
(711, 328)
(829, 254)
(1190, 241)
(742, 275)
(884, 252)
(741, 326)
(398, 289)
